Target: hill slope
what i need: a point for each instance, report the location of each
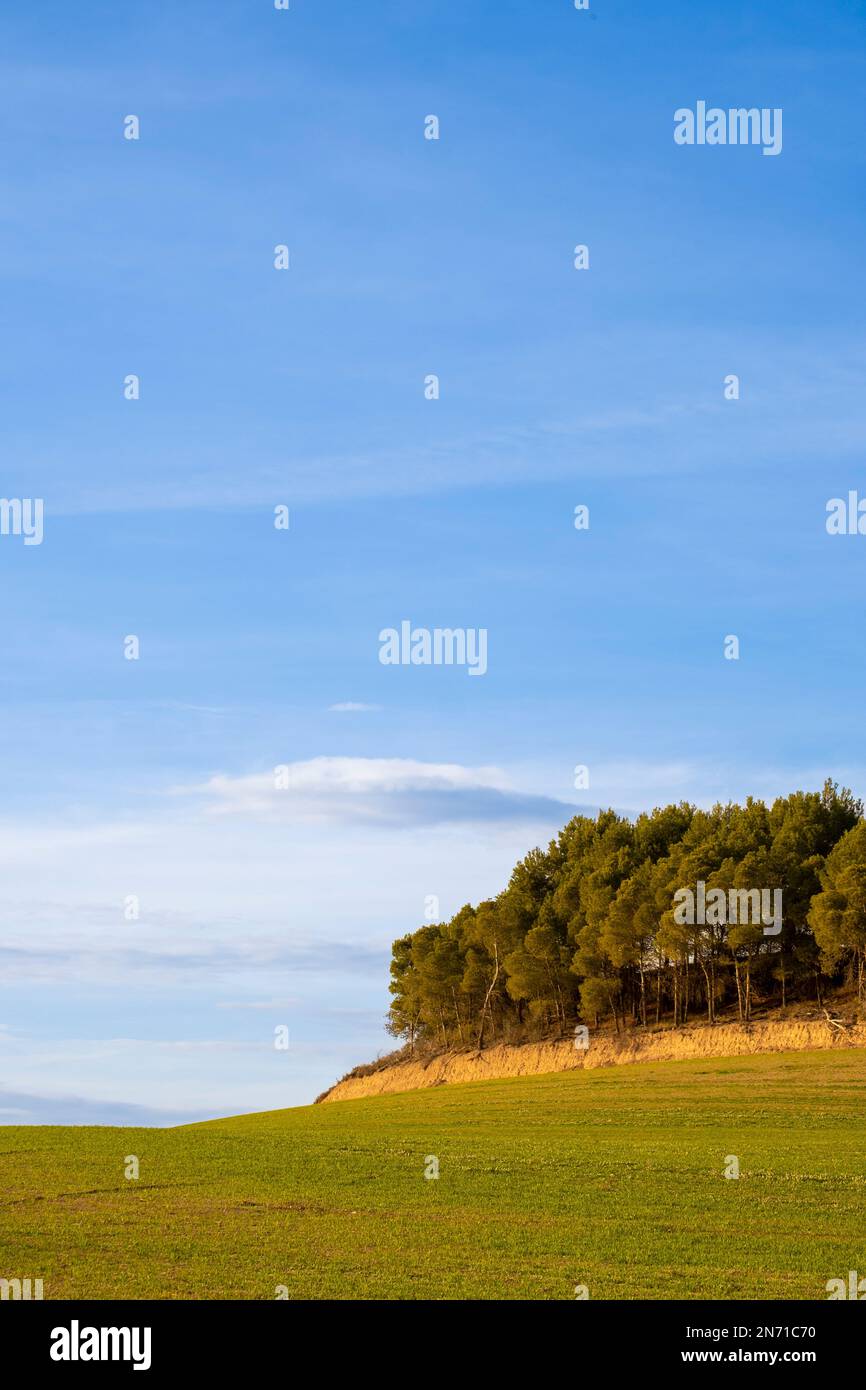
(611, 1178)
(605, 1050)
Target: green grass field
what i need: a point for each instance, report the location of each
(610, 1178)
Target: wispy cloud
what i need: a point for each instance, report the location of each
(265, 1005)
(81, 1110)
(180, 957)
(352, 707)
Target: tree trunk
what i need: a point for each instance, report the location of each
(710, 1019)
(739, 989)
(457, 1014)
(612, 999)
(487, 997)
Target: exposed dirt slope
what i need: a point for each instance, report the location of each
(667, 1045)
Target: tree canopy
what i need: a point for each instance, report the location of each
(589, 929)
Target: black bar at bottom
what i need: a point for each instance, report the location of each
(138, 1338)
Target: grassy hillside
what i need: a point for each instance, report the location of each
(609, 1178)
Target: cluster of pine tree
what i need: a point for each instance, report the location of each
(588, 929)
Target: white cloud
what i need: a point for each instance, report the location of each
(389, 790)
(352, 707)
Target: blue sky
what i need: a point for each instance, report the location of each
(305, 388)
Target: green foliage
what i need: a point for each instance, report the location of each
(838, 913)
(587, 929)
